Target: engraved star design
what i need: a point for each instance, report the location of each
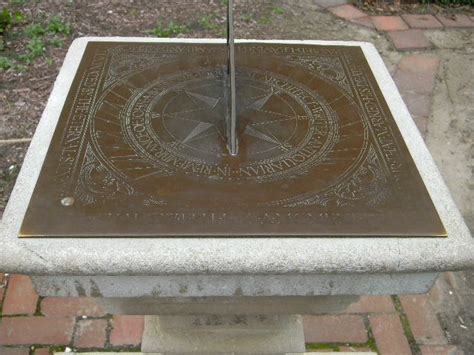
(206, 117)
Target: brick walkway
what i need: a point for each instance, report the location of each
(416, 73)
(388, 325)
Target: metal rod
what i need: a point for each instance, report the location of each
(231, 119)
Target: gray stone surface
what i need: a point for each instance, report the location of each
(330, 3)
(217, 334)
(259, 305)
(245, 256)
(233, 285)
(222, 353)
(452, 118)
(450, 140)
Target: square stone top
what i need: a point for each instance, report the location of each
(251, 256)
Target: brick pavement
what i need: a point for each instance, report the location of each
(406, 32)
(388, 325)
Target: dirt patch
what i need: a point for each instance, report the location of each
(12, 156)
(35, 48)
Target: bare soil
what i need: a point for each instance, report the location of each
(25, 87)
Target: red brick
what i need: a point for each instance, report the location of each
(14, 351)
(71, 306)
(456, 20)
(36, 330)
(415, 78)
(422, 21)
(347, 12)
(364, 21)
(440, 350)
(423, 321)
(453, 279)
(417, 73)
(90, 333)
(20, 298)
(442, 293)
(42, 351)
(127, 330)
(372, 304)
(334, 329)
(409, 39)
(388, 333)
(418, 105)
(389, 23)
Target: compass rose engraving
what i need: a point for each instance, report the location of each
(187, 120)
(204, 125)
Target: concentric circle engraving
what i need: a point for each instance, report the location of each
(174, 125)
(280, 125)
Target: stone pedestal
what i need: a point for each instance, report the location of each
(217, 334)
(253, 325)
(199, 287)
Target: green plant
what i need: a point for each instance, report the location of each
(35, 30)
(35, 48)
(278, 10)
(172, 29)
(265, 20)
(57, 25)
(49, 32)
(320, 346)
(21, 68)
(5, 63)
(8, 19)
(247, 18)
(56, 42)
(208, 23)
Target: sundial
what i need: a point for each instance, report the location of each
(221, 140)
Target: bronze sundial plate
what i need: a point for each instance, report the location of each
(140, 148)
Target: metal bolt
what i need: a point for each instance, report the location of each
(67, 201)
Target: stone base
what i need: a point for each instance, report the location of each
(263, 334)
(108, 353)
(226, 306)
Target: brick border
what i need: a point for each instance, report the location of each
(406, 32)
